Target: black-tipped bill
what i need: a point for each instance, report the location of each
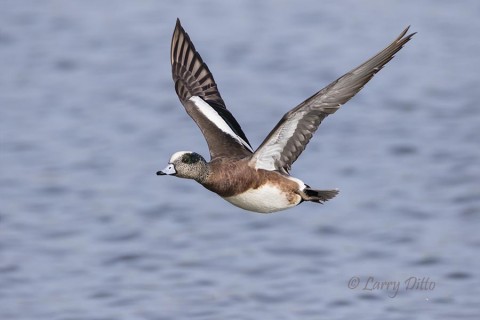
(169, 170)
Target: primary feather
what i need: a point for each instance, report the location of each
(288, 139)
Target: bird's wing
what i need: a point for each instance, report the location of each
(198, 93)
(288, 139)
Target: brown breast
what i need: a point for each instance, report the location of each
(231, 177)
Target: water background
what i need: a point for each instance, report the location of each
(88, 114)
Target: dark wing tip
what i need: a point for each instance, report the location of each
(190, 73)
(402, 39)
(404, 32)
(377, 62)
(178, 26)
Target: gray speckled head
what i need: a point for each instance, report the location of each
(186, 164)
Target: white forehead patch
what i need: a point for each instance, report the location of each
(177, 155)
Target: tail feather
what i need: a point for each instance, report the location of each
(319, 196)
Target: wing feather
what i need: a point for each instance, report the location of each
(192, 79)
(288, 139)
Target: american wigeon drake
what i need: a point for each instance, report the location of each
(256, 180)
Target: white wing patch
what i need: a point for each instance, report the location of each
(272, 151)
(216, 119)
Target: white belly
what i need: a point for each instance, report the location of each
(265, 199)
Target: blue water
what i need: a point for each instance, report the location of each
(88, 114)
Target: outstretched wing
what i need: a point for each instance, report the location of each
(288, 139)
(198, 93)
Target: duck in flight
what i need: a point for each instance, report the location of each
(256, 180)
